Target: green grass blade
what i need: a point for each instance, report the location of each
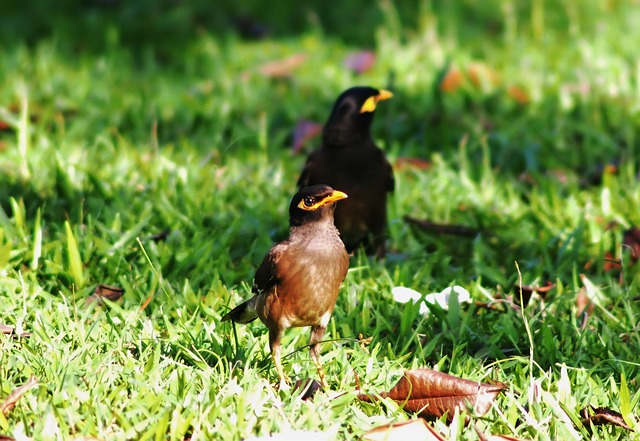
(75, 261)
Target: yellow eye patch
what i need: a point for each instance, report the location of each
(335, 196)
(371, 102)
(369, 105)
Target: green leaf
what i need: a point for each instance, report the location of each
(37, 242)
(75, 262)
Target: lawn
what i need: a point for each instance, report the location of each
(148, 146)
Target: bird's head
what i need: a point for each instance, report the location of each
(313, 203)
(352, 114)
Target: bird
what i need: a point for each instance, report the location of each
(349, 159)
(297, 283)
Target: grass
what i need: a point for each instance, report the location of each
(114, 137)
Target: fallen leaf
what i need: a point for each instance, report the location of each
(416, 429)
(102, 291)
(527, 291)
(631, 239)
(583, 305)
(432, 394)
(304, 132)
(305, 388)
(601, 415)
(282, 68)
(518, 94)
(611, 263)
(10, 330)
(451, 80)
(9, 403)
(407, 162)
(482, 75)
(360, 62)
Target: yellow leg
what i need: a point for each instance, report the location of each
(317, 333)
(274, 343)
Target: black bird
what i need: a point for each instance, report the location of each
(297, 283)
(349, 159)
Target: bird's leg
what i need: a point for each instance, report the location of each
(275, 337)
(317, 332)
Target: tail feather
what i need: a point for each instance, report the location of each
(244, 313)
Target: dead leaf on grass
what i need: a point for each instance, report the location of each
(282, 68)
(306, 388)
(527, 291)
(10, 330)
(360, 62)
(631, 240)
(108, 292)
(304, 132)
(432, 394)
(9, 403)
(408, 163)
(520, 95)
(407, 430)
(451, 80)
(599, 416)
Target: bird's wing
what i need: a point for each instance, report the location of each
(391, 182)
(305, 176)
(267, 273)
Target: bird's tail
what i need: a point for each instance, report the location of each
(245, 312)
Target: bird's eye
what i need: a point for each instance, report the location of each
(309, 201)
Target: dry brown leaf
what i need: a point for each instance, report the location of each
(304, 132)
(360, 62)
(451, 81)
(407, 430)
(10, 330)
(480, 74)
(432, 394)
(282, 68)
(631, 239)
(601, 415)
(611, 263)
(407, 162)
(518, 94)
(6, 438)
(108, 292)
(9, 403)
(306, 388)
(583, 303)
(527, 291)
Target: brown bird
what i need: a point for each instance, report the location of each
(297, 283)
(349, 159)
